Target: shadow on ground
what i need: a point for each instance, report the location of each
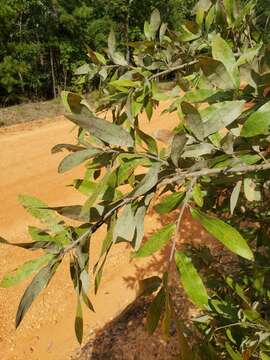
(125, 337)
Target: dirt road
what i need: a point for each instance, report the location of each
(27, 167)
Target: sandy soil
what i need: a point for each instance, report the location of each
(28, 167)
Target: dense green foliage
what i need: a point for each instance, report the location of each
(43, 41)
(215, 166)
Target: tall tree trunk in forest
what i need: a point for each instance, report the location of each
(53, 55)
(127, 30)
(65, 78)
(53, 74)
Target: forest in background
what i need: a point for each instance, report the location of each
(42, 42)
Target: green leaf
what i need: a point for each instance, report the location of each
(72, 102)
(250, 159)
(39, 234)
(235, 196)
(40, 210)
(100, 58)
(191, 280)
(167, 319)
(263, 356)
(210, 18)
(147, 31)
(39, 282)
(108, 240)
(187, 35)
(216, 73)
(258, 123)
(220, 115)
(198, 150)
(29, 246)
(155, 22)
(249, 55)
(106, 246)
(125, 225)
(240, 291)
(197, 195)
(72, 212)
(118, 84)
(119, 59)
(148, 182)
(85, 187)
(156, 241)
(76, 159)
(59, 147)
(155, 310)
(24, 271)
(178, 145)
(127, 167)
(193, 120)
(250, 190)
(83, 69)
(244, 11)
(234, 355)
(99, 190)
(111, 42)
(162, 31)
(87, 301)
(149, 286)
(225, 233)
(229, 8)
(79, 322)
(99, 273)
(223, 53)
(148, 140)
(199, 95)
(201, 7)
(149, 109)
(102, 129)
(139, 229)
(170, 203)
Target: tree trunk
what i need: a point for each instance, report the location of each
(127, 31)
(65, 78)
(53, 73)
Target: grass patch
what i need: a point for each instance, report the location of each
(30, 111)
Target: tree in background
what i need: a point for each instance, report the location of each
(44, 41)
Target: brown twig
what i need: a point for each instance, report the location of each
(207, 172)
(175, 68)
(179, 220)
(96, 226)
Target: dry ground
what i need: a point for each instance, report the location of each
(30, 111)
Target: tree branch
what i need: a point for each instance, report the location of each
(206, 172)
(168, 71)
(179, 220)
(180, 176)
(96, 226)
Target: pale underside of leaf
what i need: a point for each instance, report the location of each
(102, 129)
(235, 196)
